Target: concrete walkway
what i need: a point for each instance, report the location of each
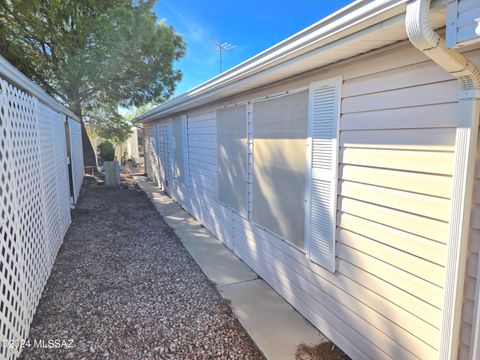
(275, 327)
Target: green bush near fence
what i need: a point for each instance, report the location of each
(106, 151)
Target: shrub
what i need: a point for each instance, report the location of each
(106, 151)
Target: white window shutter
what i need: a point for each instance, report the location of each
(321, 194)
(186, 174)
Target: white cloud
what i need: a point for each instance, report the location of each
(195, 32)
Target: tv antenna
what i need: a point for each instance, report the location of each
(221, 48)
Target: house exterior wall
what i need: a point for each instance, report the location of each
(462, 22)
(132, 146)
(397, 138)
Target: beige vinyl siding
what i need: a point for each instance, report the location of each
(203, 176)
(397, 137)
(463, 16)
(176, 159)
(202, 154)
(392, 221)
(471, 281)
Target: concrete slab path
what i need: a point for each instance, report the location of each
(275, 326)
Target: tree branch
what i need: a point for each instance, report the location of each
(49, 88)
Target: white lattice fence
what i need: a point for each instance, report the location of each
(76, 152)
(34, 206)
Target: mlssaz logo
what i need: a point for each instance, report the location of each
(50, 343)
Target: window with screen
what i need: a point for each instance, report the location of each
(178, 164)
(279, 165)
(232, 157)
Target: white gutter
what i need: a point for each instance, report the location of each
(17, 78)
(432, 45)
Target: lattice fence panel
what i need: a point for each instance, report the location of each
(34, 207)
(31, 229)
(61, 170)
(76, 150)
(12, 306)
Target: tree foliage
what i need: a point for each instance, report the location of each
(94, 55)
(108, 124)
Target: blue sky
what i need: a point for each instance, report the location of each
(251, 25)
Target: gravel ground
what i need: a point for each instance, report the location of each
(124, 287)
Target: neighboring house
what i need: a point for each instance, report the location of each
(129, 150)
(340, 165)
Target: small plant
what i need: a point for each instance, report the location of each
(106, 151)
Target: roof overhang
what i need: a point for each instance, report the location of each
(360, 27)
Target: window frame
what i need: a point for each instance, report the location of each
(260, 99)
(246, 104)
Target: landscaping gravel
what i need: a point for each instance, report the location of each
(124, 287)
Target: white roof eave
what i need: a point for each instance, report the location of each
(347, 27)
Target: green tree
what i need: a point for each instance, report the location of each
(93, 55)
(108, 124)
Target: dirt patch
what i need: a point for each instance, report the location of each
(325, 351)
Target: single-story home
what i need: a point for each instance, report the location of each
(343, 166)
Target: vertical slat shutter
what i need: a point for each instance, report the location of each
(178, 158)
(186, 174)
(162, 151)
(322, 195)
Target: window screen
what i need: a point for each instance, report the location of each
(177, 130)
(279, 165)
(232, 157)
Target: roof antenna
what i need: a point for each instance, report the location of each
(223, 48)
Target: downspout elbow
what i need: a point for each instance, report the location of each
(424, 38)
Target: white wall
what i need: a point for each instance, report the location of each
(462, 22)
(397, 134)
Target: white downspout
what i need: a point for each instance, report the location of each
(424, 38)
